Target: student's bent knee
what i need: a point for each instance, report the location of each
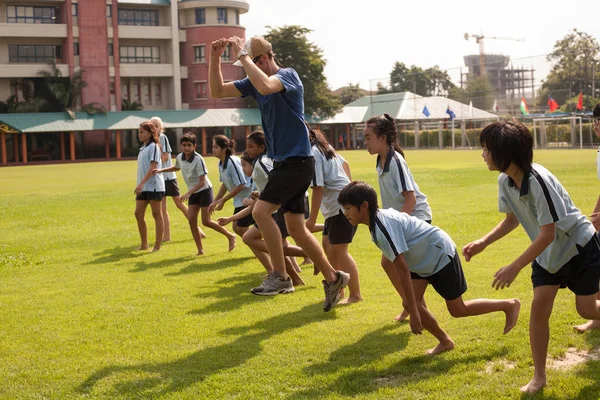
(587, 307)
(456, 308)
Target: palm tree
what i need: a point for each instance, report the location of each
(127, 105)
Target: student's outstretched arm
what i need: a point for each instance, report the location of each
(315, 206)
(409, 300)
(346, 167)
(505, 275)
(146, 177)
(595, 217)
(234, 192)
(197, 186)
(507, 225)
(410, 201)
(170, 169)
(220, 194)
(235, 217)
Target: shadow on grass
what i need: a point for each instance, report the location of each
(199, 265)
(591, 370)
(142, 266)
(152, 380)
(407, 371)
(116, 254)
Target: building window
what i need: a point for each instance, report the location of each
(147, 91)
(74, 9)
(125, 90)
(135, 92)
(75, 49)
(31, 15)
(226, 54)
(201, 90)
(158, 93)
(237, 17)
(139, 54)
(199, 54)
(33, 53)
(108, 11)
(200, 16)
(222, 15)
(138, 17)
(111, 49)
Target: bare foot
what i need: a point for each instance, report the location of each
(142, 247)
(307, 261)
(166, 240)
(440, 348)
(534, 385)
(231, 243)
(402, 317)
(512, 315)
(593, 324)
(200, 252)
(298, 282)
(350, 300)
(155, 249)
(202, 234)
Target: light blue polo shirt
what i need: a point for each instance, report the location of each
(542, 200)
(166, 148)
(192, 169)
(232, 175)
(260, 174)
(395, 178)
(425, 247)
(330, 175)
(282, 115)
(149, 154)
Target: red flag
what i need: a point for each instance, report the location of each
(580, 102)
(552, 104)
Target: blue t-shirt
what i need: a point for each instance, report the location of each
(282, 115)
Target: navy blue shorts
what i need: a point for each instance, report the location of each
(150, 196)
(244, 222)
(338, 229)
(449, 281)
(203, 198)
(172, 188)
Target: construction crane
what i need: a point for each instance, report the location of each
(479, 40)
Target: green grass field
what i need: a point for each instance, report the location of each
(84, 315)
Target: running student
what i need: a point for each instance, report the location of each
(565, 250)
(150, 187)
(199, 195)
(331, 176)
(396, 184)
(171, 186)
(421, 254)
(280, 97)
(234, 184)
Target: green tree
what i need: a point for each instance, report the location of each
(425, 82)
(127, 105)
(350, 93)
(478, 90)
(293, 49)
(574, 68)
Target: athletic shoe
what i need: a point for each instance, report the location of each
(274, 285)
(333, 289)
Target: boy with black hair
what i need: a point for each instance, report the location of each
(565, 250)
(422, 254)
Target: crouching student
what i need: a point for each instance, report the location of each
(199, 195)
(564, 251)
(422, 254)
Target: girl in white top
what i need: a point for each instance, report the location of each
(150, 187)
(397, 186)
(171, 186)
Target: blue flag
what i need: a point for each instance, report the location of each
(426, 111)
(450, 113)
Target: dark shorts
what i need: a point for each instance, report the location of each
(306, 208)
(581, 274)
(150, 196)
(244, 222)
(172, 188)
(280, 221)
(338, 229)
(450, 281)
(288, 181)
(202, 198)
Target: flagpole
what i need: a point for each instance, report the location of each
(452, 120)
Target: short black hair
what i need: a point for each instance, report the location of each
(357, 192)
(597, 111)
(188, 137)
(508, 141)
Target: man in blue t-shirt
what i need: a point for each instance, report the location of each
(280, 96)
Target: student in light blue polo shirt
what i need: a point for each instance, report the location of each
(330, 178)
(150, 187)
(422, 254)
(564, 249)
(171, 186)
(199, 195)
(279, 93)
(234, 184)
(396, 184)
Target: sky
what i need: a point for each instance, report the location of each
(361, 40)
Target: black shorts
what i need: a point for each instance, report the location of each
(172, 188)
(306, 208)
(338, 229)
(244, 222)
(150, 196)
(450, 281)
(203, 198)
(280, 221)
(581, 274)
(288, 182)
